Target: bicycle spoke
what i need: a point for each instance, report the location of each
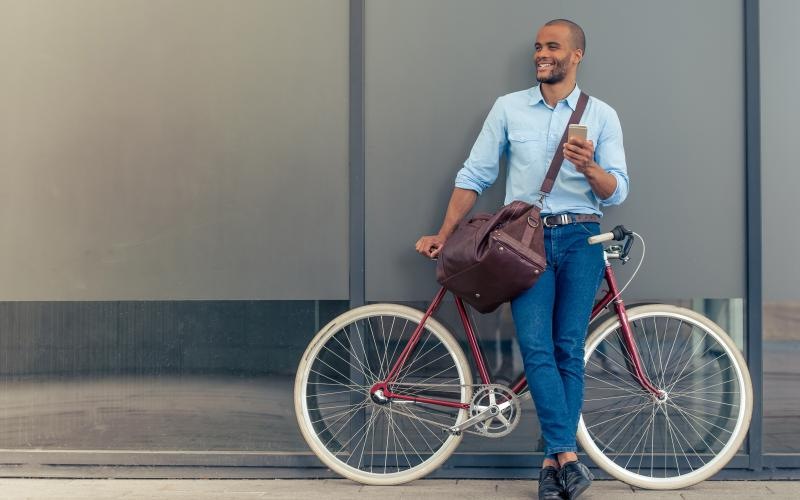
(354, 387)
(413, 420)
(623, 428)
(390, 360)
(603, 422)
(650, 355)
(637, 391)
(674, 339)
(698, 368)
(366, 433)
(364, 364)
(658, 349)
(694, 384)
(611, 360)
(705, 390)
(349, 363)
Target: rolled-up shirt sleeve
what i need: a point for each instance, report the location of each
(610, 155)
(481, 168)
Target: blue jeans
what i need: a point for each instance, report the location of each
(551, 319)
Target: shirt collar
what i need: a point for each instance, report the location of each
(572, 98)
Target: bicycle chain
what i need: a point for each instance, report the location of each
(478, 388)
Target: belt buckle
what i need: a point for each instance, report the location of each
(562, 219)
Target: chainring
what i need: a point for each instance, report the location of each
(507, 418)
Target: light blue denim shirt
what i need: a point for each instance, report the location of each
(523, 126)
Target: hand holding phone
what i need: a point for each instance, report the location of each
(580, 153)
(577, 130)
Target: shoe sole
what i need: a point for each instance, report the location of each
(578, 492)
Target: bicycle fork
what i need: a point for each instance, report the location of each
(632, 357)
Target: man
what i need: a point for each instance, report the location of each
(552, 317)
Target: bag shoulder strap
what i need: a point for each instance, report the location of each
(558, 158)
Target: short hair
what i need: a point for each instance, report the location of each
(575, 32)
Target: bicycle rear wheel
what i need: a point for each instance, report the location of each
(685, 438)
(368, 440)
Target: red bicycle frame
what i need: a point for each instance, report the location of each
(611, 295)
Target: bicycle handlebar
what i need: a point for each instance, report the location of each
(619, 233)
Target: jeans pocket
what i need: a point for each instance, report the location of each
(591, 228)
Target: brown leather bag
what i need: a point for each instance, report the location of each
(492, 258)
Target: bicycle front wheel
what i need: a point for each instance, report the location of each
(684, 438)
(367, 439)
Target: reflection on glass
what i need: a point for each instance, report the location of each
(218, 376)
(183, 376)
(781, 376)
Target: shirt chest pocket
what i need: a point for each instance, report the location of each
(526, 147)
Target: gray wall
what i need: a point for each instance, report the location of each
(673, 71)
(181, 149)
(780, 79)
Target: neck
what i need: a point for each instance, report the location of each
(554, 92)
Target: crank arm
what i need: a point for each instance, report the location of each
(486, 414)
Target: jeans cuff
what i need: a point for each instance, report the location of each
(552, 452)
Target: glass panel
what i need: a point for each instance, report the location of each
(781, 376)
(186, 376)
(780, 178)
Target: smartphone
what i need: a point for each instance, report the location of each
(577, 130)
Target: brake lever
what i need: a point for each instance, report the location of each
(627, 248)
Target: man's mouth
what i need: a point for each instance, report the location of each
(544, 65)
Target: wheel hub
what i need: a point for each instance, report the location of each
(378, 397)
(661, 398)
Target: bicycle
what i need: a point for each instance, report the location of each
(384, 393)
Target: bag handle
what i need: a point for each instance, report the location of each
(558, 158)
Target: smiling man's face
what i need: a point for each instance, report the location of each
(555, 55)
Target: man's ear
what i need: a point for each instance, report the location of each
(577, 56)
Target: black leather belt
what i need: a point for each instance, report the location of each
(564, 219)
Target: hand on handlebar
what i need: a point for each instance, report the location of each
(430, 246)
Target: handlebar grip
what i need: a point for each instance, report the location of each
(619, 233)
(600, 238)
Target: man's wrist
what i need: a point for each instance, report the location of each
(593, 171)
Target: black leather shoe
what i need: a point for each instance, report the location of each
(549, 485)
(575, 478)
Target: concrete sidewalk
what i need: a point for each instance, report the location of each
(91, 489)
